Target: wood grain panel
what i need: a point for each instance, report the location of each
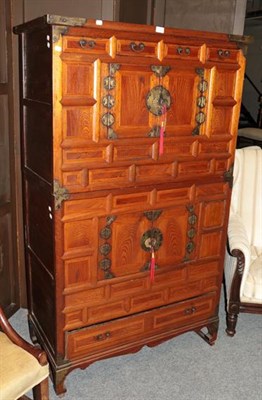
(179, 314)
(95, 339)
(183, 51)
(132, 48)
(77, 122)
(78, 79)
(210, 244)
(86, 45)
(213, 214)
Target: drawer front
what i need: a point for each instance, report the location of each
(184, 52)
(86, 45)
(101, 337)
(130, 297)
(136, 48)
(222, 55)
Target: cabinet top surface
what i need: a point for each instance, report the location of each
(65, 21)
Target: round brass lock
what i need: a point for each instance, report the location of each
(152, 239)
(157, 98)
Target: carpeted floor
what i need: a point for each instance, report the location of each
(184, 368)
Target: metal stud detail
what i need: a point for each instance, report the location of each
(191, 232)
(201, 101)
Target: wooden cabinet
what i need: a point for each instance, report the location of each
(128, 138)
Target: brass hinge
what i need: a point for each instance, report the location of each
(60, 194)
(228, 176)
(57, 32)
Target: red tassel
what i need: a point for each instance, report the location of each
(162, 130)
(152, 266)
(161, 140)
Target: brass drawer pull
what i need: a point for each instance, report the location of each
(180, 50)
(102, 336)
(223, 53)
(189, 311)
(83, 43)
(137, 47)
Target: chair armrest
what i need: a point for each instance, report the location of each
(38, 353)
(238, 240)
(239, 243)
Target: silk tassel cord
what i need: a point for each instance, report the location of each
(162, 130)
(152, 265)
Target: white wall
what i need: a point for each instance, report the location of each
(209, 15)
(97, 9)
(254, 66)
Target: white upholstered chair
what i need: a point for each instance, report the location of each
(243, 261)
(22, 366)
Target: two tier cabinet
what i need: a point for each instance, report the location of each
(128, 135)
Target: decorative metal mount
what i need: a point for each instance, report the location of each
(228, 176)
(191, 232)
(60, 194)
(160, 70)
(146, 267)
(153, 215)
(241, 41)
(105, 248)
(58, 31)
(108, 100)
(61, 20)
(156, 98)
(201, 101)
(155, 132)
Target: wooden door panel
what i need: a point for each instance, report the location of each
(11, 284)
(4, 151)
(127, 255)
(7, 281)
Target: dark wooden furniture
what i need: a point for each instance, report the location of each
(15, 378)
(125, 225)
(12, 277)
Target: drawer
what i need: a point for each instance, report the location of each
(184, 52)
(139, 328)
(86, 45)
(136, 48)
(222, 55)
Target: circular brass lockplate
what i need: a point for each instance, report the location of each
(157, 98)
(152, 239)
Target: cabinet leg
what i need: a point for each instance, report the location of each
(211, 335)
(32, 332)
(59, 381)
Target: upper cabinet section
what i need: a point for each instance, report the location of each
(130, 104)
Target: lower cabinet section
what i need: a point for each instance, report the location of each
(139, 328)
